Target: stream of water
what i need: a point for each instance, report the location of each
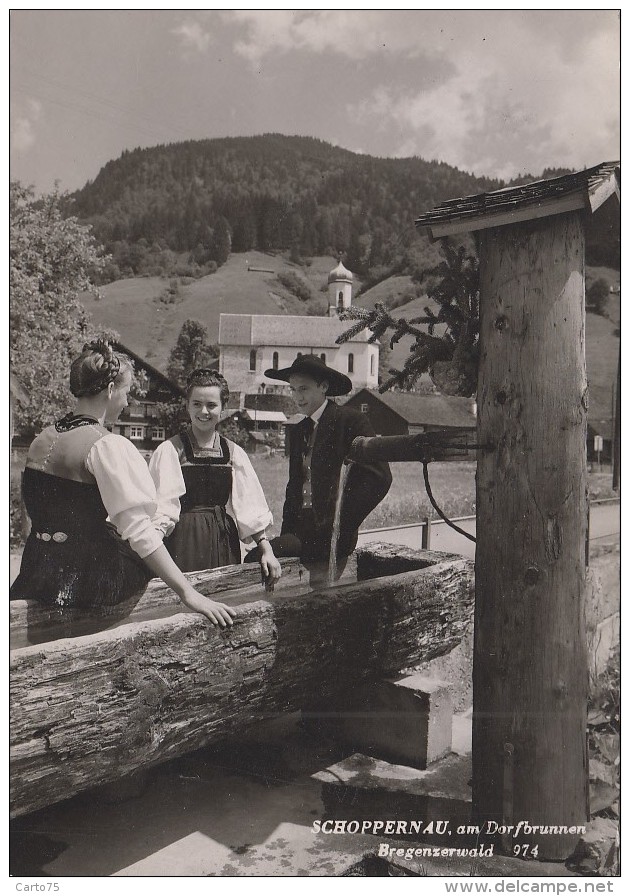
(332, 562)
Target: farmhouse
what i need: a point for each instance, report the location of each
(249, 344)
(259, 404)
(267, 413)
(139, 421)
(408, 413)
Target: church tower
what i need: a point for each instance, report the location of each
(339, 290)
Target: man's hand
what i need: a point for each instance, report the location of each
(269, 565)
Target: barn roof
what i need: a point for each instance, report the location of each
(264, 416)
(418, 409)
(284, 329)
(154, 373)
(587, 189)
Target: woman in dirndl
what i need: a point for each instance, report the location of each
(208, 487)
(97, 535)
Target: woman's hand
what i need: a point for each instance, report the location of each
(162, 564)
(218, 614)
(269, 565)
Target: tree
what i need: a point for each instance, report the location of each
(597, 296)
(231, 429)
(52, 260)
(384, 363)
(452, 358)
(221, 242)
(171, 415)
(191, 350)
(244, 237)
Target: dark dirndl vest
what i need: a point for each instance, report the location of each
(205, 536)
(73, 558)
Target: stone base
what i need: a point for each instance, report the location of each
(368, 789)
(406, 721)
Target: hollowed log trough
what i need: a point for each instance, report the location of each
(157, 682)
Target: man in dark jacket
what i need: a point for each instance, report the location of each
(317, 449)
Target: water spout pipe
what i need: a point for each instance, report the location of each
(423, 447)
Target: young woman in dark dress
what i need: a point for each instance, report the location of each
(96, 536)
(208, 488)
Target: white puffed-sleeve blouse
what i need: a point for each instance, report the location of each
(247, 504)
(127, 491)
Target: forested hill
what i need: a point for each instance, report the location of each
(210, 197)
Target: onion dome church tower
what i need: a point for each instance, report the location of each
(339, 290)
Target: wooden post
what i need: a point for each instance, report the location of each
(616, 441)
(426, 534)
(530, 667)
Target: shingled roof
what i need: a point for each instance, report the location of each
(418, 409)
(161, 379)
(281, 329)
(587, 189)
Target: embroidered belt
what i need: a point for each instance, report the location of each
(59, 537)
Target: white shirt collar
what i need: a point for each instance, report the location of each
(318, 413)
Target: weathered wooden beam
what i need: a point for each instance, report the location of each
(31, 622)
(382, 559)
(91, 709)
(530, 660)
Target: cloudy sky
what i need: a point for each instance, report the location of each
(491, 92)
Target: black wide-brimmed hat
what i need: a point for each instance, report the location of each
(312, 365)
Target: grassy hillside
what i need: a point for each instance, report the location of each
(243, 285)
(602, 355)
(394, 292)
(150, 327)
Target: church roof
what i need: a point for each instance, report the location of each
(284, 329)
(340, 273)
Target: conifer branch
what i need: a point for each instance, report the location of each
(450, 359)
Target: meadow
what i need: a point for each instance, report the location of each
(452, 484)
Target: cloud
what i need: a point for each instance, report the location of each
(23, 119)
(351, 33)
(494, 92)
(521, 98)
(193, 36)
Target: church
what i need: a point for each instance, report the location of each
(249, 344)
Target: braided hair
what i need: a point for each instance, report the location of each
(205, 376)
(96, 367)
